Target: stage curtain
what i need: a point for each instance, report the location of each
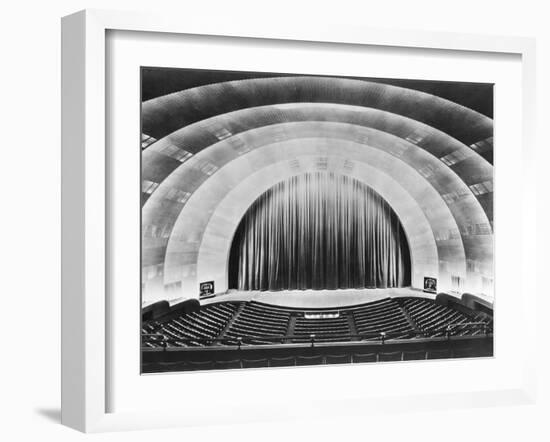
(319, 231)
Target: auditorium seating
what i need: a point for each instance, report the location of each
(259, 324)
(433, 319)
(191, 330)
(382, 316)
(325, 330)
(252, 323)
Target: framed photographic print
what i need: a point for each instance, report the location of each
(323, 212)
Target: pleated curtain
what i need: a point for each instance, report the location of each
(319, 231)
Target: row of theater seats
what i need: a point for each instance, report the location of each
(257, 323)
(150, 329)
(260, 323)
(344, 358)
(195, 328)
(325, 330)
(433, 319)
(382, 316)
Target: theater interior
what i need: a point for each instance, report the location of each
(297, 220)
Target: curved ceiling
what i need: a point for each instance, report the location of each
(225, 198)
(164, 115)
(235, 126)
(222, 144)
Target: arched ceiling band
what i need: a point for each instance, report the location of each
(164, 115)
(160, 159)
(446, 226)
(427, 198)
(199, 245)
(189, 176)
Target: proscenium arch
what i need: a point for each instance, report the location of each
(466, 211)
(396, 183)
(214, 249)
(471, 169)
(227, 179)
(197, 256)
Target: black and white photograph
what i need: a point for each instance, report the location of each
(299, 220)
(242, 221)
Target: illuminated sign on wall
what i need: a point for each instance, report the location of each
(430, 285)
(206, 289)
(324, 315)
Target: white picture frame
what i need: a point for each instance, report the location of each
(85, 202)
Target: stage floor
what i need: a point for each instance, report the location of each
(317, 298)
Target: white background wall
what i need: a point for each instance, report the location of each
(30, 221)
